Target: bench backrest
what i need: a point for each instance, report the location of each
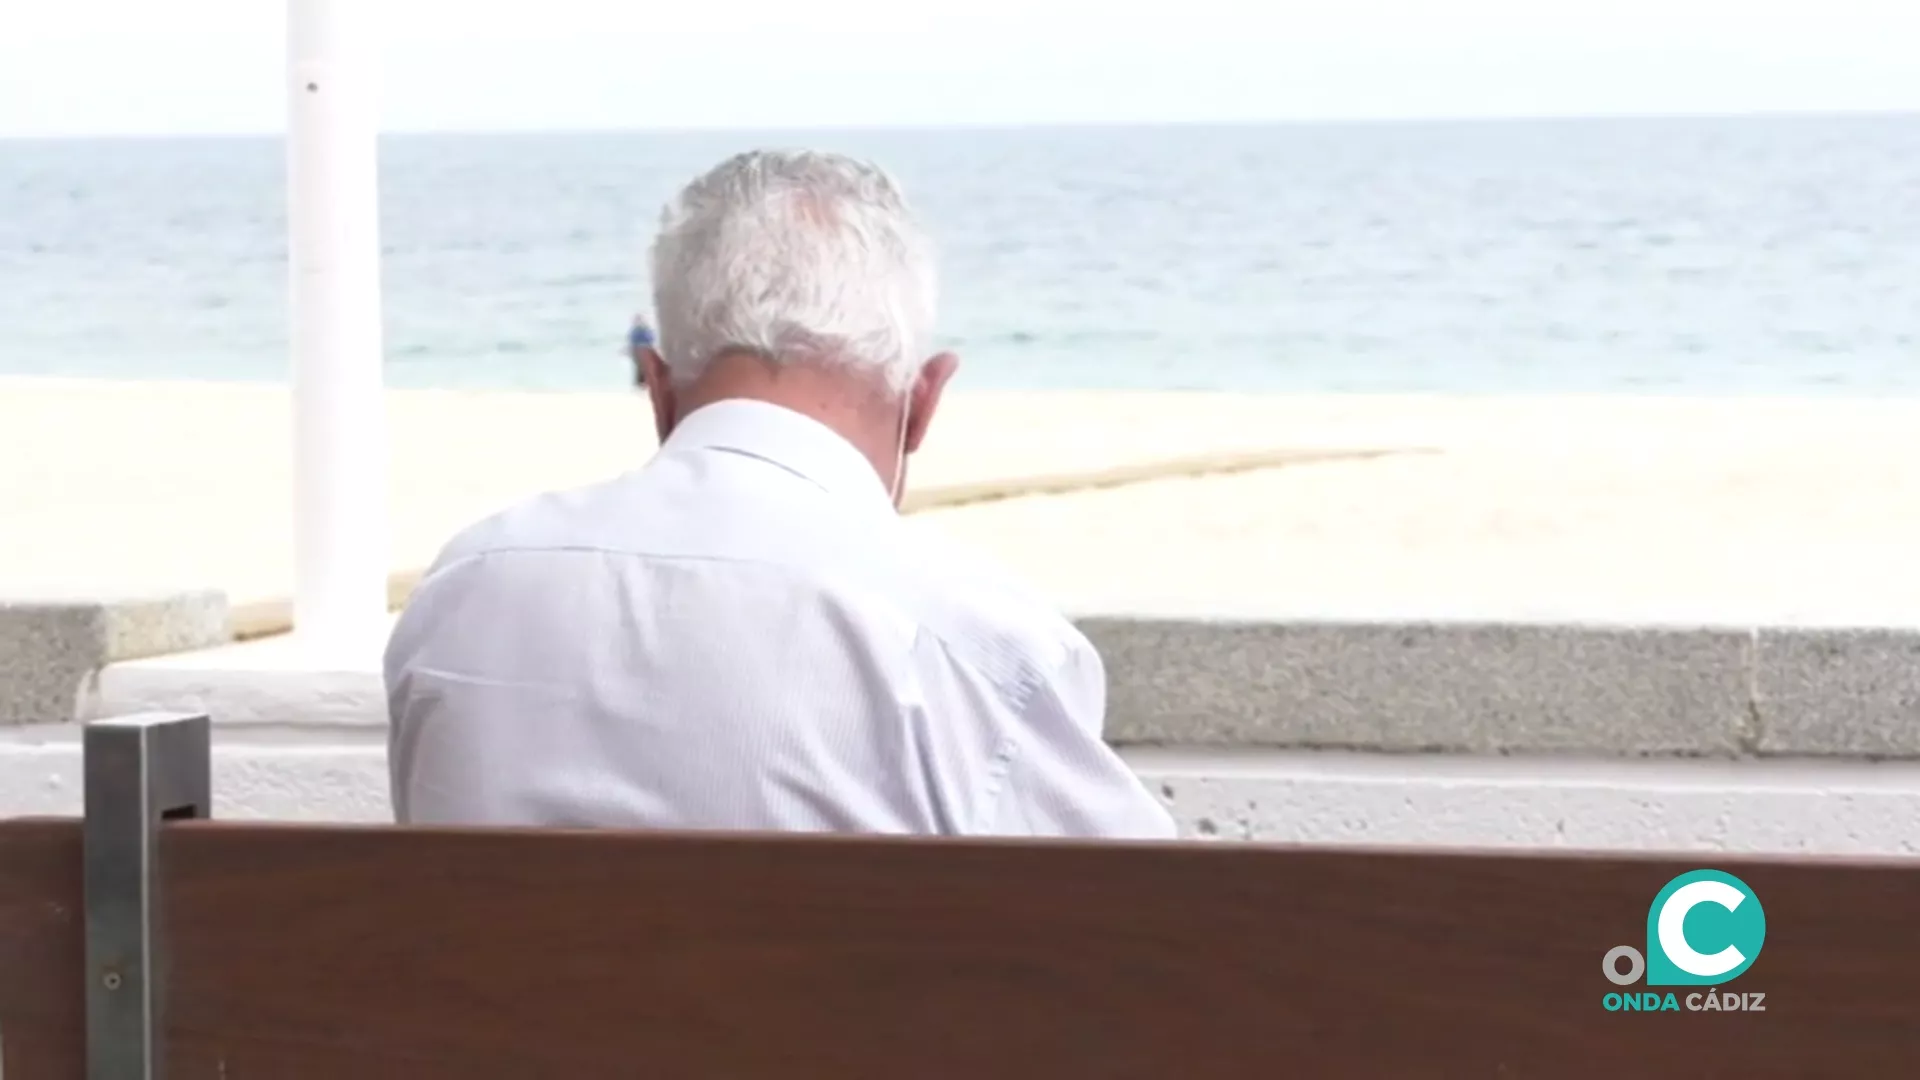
(321, 953)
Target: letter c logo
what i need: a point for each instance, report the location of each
(1708, 908)
(1673, 936)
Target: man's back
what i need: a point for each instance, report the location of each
(744, 635)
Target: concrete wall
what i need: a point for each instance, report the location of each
(1694, 738)
(1271, 796)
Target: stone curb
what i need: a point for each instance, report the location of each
(51, 648)
(1512, 688)
(1491, 688)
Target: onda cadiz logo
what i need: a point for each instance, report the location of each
(1705, 928)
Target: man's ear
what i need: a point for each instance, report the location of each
(925, 396)
(660, 392)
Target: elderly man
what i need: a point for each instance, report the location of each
(743, 634)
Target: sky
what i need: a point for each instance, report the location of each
(160, 67)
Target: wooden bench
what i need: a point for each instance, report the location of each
(147, 941)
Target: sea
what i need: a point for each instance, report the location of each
(1668, 256)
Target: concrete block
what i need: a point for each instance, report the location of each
(241, 696)
(1828, 807)
(1275, 796)
(1851, 692)
(138, 627)
(51, 647)
(1481, 688)
(335, 776)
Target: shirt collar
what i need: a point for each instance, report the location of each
(780, 436)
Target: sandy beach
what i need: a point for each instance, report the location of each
(1673, 509)
(1751, 531)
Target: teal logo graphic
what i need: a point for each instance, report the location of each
(1704, 928)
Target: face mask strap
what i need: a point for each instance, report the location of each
(900, 448)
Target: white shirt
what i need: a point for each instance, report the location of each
(744, 634)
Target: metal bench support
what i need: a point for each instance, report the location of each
(139, 771)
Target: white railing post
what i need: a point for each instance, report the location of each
(339, 422)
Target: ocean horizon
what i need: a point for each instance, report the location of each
(1766, 255)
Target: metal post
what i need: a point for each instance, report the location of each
(340, 426)
(139, 771)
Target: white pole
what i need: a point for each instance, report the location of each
(339, 422)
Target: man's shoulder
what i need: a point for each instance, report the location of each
(977, 606)
(547, 519)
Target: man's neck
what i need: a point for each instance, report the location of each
(842, 400)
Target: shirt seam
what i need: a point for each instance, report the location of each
(588, 549)
(1006, 754)
(999, 771)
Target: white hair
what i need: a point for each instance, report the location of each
(796, 257)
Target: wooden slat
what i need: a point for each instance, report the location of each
(368, 953)
(43, 1006)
